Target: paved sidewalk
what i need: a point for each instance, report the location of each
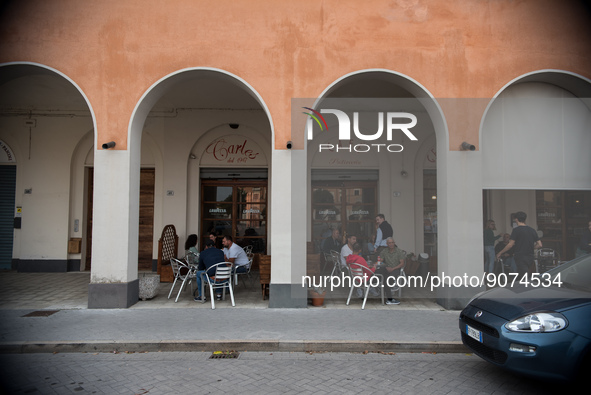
(160, 324)
(262, 373)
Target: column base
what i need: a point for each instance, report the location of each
(287, 296)
(113, 295)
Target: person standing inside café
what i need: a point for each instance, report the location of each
(525, 239)
(508, 255)
(209, 257)
(489, 246)
(584, 247)
(383, 231)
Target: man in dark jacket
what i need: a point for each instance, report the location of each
(383, 232)
(209, 257)
(333, 242)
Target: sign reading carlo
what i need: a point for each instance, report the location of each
(233, 150)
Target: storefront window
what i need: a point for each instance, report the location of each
(237, 208)
(430, 211)
(349, 207)
(562, 216)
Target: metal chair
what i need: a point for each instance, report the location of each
(327, 261)
(547, 259)
(222, 279)
(504, 264)
(359, 271)
(402, 274)
(337, 264)
(182, 272)
(192, 258)
(247, 272)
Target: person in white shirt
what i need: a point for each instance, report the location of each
(235, 254)
(347, 249)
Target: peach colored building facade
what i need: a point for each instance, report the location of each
(160, 79)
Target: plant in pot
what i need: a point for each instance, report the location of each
(317, 295)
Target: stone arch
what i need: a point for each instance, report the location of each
(409, 88)
(538, 116)
(535, 141)
(48, 100)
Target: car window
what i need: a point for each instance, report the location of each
(576, 273)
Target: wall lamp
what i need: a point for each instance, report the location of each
(289, 145)
(467, 147)
(234, 125)
(110, 144)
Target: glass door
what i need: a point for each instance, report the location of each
(237, 208)
(349, 207)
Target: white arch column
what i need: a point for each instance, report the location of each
(114, 278)
(288, 224)
(459, 212)
(459, 206)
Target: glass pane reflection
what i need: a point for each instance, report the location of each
(217, 193)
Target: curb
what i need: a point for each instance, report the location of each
(234, 345)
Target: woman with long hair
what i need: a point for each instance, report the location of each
(191, 250)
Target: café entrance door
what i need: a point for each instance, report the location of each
(235, 207)
(349, 206)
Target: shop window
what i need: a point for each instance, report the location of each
(349, 207)
(237, 208)
(430, 211)
(562, 216)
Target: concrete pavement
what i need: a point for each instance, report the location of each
(66, 325)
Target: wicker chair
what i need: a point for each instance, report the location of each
(167, 248)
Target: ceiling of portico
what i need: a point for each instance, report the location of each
(207, 91)
(26, 88)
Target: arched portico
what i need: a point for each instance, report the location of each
(380, 83)
(175, 111)
(535, 142)
(44, 114)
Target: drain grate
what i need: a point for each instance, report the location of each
(41, 313)
(224, 355)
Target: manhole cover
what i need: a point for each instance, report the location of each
(41, 313)
(224, 355)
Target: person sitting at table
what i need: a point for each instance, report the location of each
(332, 243)
(368, 270)
(393, 259)
(213, 237)
(191, 251)
(347, 249)
(235, 254)
(209, 257)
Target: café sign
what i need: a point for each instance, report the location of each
(233, 150)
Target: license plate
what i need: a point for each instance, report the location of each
(473, 333)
